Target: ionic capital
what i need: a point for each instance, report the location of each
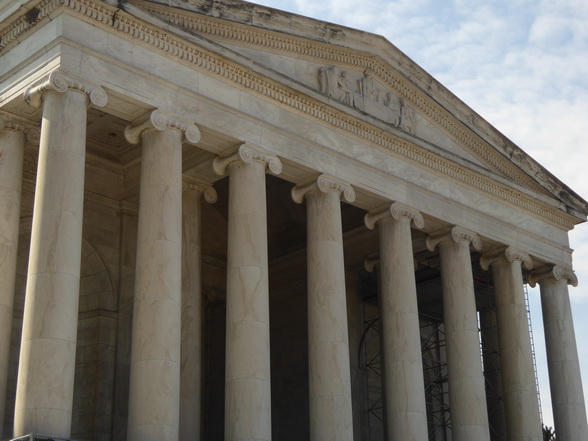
(396, 211)
(556, 272)
(202, 188)
(370, 263)
(324, 184)
(16, 124)
(58, 81)
(160, 120)
(456, 234)
(248, 153)
(509, 254)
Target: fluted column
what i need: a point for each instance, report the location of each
(191, 349)
(467, 392)
(328, 340)
(521, 403)
(567, 397)
(404, 391)
(44, 394)
(154, 394)
(13, 135)
(248, 387)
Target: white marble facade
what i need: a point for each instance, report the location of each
(188, 193)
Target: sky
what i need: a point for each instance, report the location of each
(523, 66)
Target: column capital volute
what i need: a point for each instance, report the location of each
(58, 81)
(248, 153)
(396, 211)
(455, 234)
(162, 120)
(17, 124)
(556, 272)
(370, 263)
(203, 189)
(324, 184)
(506, 254)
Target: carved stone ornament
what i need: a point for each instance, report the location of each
(202, 188)
(365, 93)
(160, 120)
(58, 81)
(370, 263)
(396, 211)
(324, 184)
(456, 234)
(509, 254)
(556, 272)
(10, 122)
(248, 153)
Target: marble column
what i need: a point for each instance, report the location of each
(44, 394)
(247, 371)
(521, 403)
(191, 348)
(13, 135)
(492, 373)
(467, 391)
(405, 412)
(154, 391)
(567, 397)
(328, 340)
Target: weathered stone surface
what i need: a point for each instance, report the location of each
(274, 337)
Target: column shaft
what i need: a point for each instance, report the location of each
(567, 397)
(521, 404)
(11, 161)
(329, 371)
(467, 392)
(404, 390)
(154, 395)
(248, 392)
(191, 353)
(492, 373)
(44, 396)
(191, 350)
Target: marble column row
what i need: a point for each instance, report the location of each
(164, 398)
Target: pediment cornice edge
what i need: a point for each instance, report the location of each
(184, 50)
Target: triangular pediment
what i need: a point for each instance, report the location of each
(365, 75)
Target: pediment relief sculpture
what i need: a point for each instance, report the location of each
(362, 91)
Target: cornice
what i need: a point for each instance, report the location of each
(176, 47)
(323, 52)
